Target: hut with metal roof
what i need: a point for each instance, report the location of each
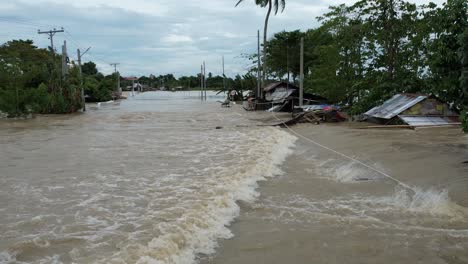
(414, 110)
(285, 95)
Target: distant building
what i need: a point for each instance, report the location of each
(130, 78)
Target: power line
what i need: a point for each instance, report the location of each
(25, 22)
(404, 185)
(73, 39)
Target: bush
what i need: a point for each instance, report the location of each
(23, 101)
(99, 90)
(8, 102)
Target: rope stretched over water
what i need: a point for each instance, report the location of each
(404, 185)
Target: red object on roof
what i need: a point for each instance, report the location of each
(130, 78)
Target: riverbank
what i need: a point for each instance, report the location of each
(328, 209)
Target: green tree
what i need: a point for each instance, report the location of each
(24, 72)
(282, 54)
(89, 68)
(100, 91)
(272, 4)
(445, 51)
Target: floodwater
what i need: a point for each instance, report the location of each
(151, 180)
(146, 180)
(326, 208)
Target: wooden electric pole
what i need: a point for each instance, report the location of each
(301, 86)
(64, 60)
(51, 34)
(204, 80)
(259, 74)
(81, 77)
(118, 76)
(201, 82)
(224, 77)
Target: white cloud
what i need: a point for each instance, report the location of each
(157, 36)
(229, 35)
(173, 38)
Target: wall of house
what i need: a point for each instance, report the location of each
(429, 107)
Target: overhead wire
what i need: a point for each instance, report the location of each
(25, 22)
(404, 185)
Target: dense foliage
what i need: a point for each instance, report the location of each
(365, 53)
(31, 81)
(97, 87)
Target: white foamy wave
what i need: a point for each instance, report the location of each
(7, 258)
(429, 211)
(349, 172)
(435, 202)
(199, 228)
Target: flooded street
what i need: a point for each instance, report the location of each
(151, 180)
(147, 180)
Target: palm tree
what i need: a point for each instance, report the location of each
(276, 4)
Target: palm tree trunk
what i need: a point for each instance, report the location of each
(265, 37)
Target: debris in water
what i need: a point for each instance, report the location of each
(361, 179)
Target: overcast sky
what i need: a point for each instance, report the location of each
(156, 36)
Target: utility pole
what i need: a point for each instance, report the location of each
(204, 80)
(259, 74)
(81, 77)
(201, 82)
(118, 77)
(301, 86)
(64, 60)
(287, 62)
(51, 34)
(224, 77)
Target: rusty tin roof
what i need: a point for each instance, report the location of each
(395, 105)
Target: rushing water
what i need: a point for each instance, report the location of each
(159, 178)
(328, 209)
(146, 180)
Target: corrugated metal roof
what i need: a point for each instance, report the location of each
(279, 96)
(272, 86)
(395, 105)
(429, 120)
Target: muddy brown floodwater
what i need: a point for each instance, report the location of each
(328, 209)
(165, 178)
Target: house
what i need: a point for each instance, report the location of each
(287, 95)
(279, 91)
(414, 110)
